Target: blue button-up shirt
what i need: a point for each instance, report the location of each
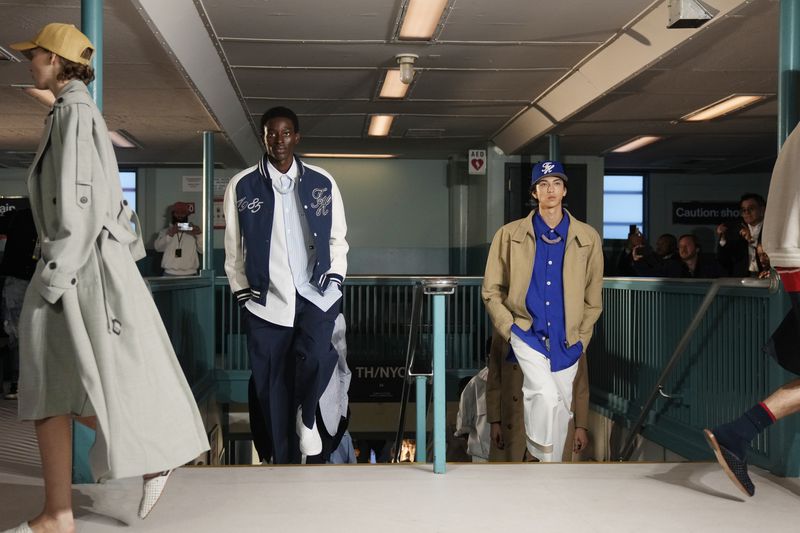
(545, 298)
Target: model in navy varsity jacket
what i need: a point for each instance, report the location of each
(249, 208)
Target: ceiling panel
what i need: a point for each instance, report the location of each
(332, 125)
(648, 106)
(314, 107)
(398, 146)
(307, 83)
(745, 41)
(719, 83)
(469, 126)
(539, 20)
(514, 85)
(631, 128)
(435, 55)
(292, 19)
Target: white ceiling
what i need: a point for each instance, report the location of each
(488, 62)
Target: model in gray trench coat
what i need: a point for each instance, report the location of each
(91, 338)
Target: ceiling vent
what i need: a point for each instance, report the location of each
(424, 133)
(687, 14)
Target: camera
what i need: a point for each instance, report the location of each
(184, 226)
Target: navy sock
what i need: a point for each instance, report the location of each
(736, 435)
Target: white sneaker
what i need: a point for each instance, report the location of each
(151, 492)
(310, 441)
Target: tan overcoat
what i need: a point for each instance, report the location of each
(91, 337)
(504, 404)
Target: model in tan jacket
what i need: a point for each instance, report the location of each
(571, 263)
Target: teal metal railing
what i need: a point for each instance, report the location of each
(377, 311)
(186, 306)
(722, 371)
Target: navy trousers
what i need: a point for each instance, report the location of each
(291, 367)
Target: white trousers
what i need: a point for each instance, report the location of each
(546, 400)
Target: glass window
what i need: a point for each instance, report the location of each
(128, 180)
(623, 205)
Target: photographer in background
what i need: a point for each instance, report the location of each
(663, 262)
(625, 261)
(180, 243)
(737, 245)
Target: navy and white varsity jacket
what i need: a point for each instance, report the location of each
(249, 209)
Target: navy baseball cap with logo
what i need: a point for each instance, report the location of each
(544, 169)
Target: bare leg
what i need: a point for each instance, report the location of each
(55, 447)
(785, 401)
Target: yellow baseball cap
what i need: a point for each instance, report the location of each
(64, 40)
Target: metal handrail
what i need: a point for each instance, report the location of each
(411, 349)
(429, 286)
(658, 387)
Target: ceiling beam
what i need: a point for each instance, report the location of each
(639, 44)
(182, 32)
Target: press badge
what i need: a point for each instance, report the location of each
(178, 252)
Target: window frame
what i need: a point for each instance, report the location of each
(135, 171)
(645, 197)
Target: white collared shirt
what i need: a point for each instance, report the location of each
(755, 233)
(292, 256)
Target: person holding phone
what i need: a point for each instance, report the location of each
(737, 244)
(180, 243)
(625, 261)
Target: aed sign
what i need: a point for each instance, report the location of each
(477, 162)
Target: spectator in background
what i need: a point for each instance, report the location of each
(737, 246)
(697, 264)
(663, 262)
(180, 243)
(625, 261)
(471, 419)
(19, 263)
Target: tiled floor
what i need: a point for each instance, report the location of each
(586, 497)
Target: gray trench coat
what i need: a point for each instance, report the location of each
(91, 337)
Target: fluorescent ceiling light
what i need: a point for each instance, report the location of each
(123, 139)
(722, 107)
(352, 156)
(379, 125)
(421, 19)
(43, 96)
(392, 86)
(636, 143)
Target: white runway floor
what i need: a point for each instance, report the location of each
(586, 497)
